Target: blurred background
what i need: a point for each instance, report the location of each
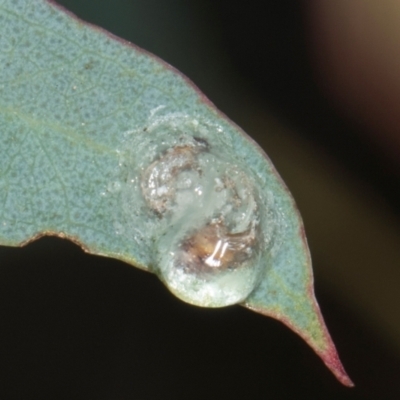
(317, 84)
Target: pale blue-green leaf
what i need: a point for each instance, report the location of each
(83, 114)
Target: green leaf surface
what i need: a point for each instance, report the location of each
(86, 118)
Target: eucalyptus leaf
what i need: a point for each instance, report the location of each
(110, 147)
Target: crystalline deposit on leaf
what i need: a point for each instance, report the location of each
(105, 144)
(208, 226)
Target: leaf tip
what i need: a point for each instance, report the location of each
(331, 359)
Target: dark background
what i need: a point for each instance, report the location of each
(83, 327)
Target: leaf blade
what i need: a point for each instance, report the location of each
(65, 118)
